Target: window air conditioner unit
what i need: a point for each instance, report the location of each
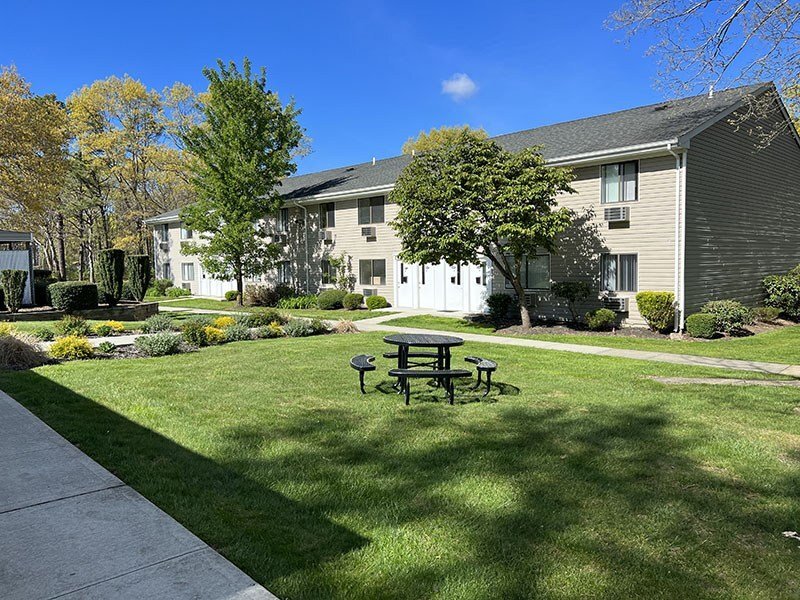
(164, 245)
(370, 292)
(327, 236)
(279, 238)
(616, 214)
(616, 304)
(368, 232)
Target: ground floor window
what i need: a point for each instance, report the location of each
(328, 272)
(619, 272)
(166, 271)
(534, 272)
(372, 272)
(284, 272)
(187, 271)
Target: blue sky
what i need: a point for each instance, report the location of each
(367, 74)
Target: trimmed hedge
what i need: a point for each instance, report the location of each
(657, 308)
(732, 316)
(353, 301)
(783, 292)
(73, 295)
(376, 302)
(139, 273)
(231, 295)
(601, 319)
(110, 272)
(701, 325)
(500, 305)
(331, 299)
(13, 283)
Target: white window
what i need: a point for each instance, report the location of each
(534, 272)
(370, 210)
(166, 271)
(283, 221)
(327, 215)
(619, 182)
(187, 271)
(619, 272)
(372, 272)
(164, 233)
(328, 272)
(284, 272)
(186, 234)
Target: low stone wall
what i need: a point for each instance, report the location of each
(121, 312)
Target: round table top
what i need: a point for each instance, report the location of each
(428, 340)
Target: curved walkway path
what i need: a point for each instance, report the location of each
(377, 324)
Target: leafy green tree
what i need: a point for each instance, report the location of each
(470, 198)
(242, 149)
(429, 140)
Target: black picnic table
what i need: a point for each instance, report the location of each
(406, 341)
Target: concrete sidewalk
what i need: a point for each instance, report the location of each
(70, 529)
(377, 324)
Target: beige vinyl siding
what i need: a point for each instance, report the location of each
(650, 235)
(174, 257)
(742, 206)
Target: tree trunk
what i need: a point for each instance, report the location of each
(61, 261)
(239, 288)
(524, 314)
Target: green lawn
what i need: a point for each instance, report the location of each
(224, 305)
(31, 326)
(781, 346)
(578, 477)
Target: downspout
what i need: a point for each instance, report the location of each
(305, 238)
(680, 228)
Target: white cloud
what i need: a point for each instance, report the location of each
(459, 87)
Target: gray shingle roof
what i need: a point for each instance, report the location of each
(633, 127)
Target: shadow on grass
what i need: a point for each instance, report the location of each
(266, 534)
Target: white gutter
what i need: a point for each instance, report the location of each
(387, 187)
(680, 233)
(305, 238)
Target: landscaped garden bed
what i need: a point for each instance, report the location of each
(578, 477)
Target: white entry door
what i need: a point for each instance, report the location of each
(406, 275)
(429, 279)
(215, 288)
(454, 287)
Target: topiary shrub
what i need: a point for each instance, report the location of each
(352, 301)
(42, 278)
(701, 325)
(72, 325)
(157, 323)
(299, 328)
(499, 306)
(601, 319)
(70, 296)
(376, 302)
(110, 272)
(158, 344)
(231, 295)
(571, 291)
(139, 273)
(214, 335)
(732, 316)
(44, 334)
(657, 308)
(13, 283)
(331, 299)
(273, 330)
(237, 333)
(766, 314)
(223, 322)
(783, 292)
(71, 347)
(194, 332)
(260, 295)
(177, 292)
(298, 302)
(20, 351)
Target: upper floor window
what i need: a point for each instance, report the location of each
(619, 272)
(283, 220)
(164, 232)
(186, 234)
(372, 272)
(327, 215)
(534, 272)
(370, 210)
(620, 182)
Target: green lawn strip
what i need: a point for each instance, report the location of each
(310, 313)
(130, 326)
(578, 477)
(780, 346)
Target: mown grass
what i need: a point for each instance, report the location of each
(308, 313)
(578, 477)
(130, 326)
(781, 345)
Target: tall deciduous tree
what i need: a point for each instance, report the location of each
(33, 140)
(242, 150)
(470, 198)
(436, 137)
